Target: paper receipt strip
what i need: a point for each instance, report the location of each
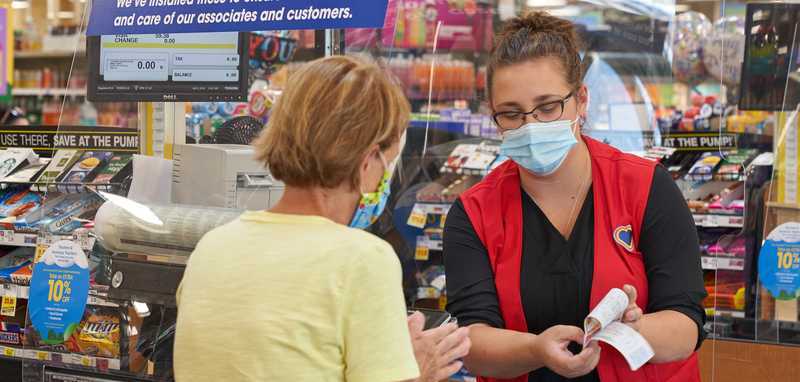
(603, 324)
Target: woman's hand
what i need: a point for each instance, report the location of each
(551, 349)
(438, 351)
(633, 313)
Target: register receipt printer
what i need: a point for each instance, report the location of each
(222, 176)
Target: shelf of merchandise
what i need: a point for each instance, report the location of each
(63, 358)
(48, 55)
(45, 92)
(455, 127)
(714, 177)
(465, 171)
(713, 221)
(23, 292)
(722, 263)
(16, 239)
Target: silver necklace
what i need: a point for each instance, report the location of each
(572, 216)
(575, 199)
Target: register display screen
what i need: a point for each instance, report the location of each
(168, 67)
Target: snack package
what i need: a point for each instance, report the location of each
(724, 202)
(680, 162)
(460, 155)
(27, 223)
(14, 261)
(119, 163)
(12, 327)
(8, 194)
(83, 169)
(12, 333)
(482, 158)
(732, 167)
(23, 275)
(14, 159)
(703, 169)
(54, 171)
(98, 334)
(56, 216)
(27, 173)
(19, 202)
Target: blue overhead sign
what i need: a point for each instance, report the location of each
(110, 17)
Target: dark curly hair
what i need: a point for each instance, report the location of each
(535, 35)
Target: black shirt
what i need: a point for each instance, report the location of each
(556, 274)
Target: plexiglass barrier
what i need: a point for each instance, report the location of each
(707, 89)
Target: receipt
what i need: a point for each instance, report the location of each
(635, 348)
(603, 324)
(610, 309)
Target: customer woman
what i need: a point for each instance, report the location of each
(300, 292)
(533, 247)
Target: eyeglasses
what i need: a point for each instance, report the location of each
(546, 112)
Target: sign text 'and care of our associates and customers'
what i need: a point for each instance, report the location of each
(110, 17)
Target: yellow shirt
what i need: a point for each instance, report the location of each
(272, 297)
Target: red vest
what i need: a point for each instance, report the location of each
(621, 187)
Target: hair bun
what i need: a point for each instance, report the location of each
(539, 21)
(538, 34)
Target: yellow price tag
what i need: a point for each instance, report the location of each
(9, 306)
(427, 292)
(41, 356)
(40, 250)
(422, 254)
(8, 352)
(86, 361)
(417, 219)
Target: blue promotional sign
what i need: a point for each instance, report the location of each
(111, 17)
(59, 290)
(779, 262)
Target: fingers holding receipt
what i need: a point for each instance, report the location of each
(605, 324)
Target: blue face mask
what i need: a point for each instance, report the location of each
(372, 204)
(540, 148)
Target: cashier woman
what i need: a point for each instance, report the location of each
(534, 247)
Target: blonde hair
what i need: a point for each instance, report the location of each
(279, 79)
(330, 114)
